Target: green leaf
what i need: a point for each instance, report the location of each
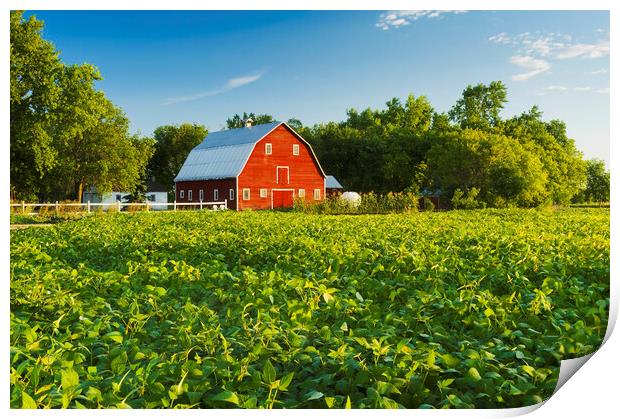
(285, 381)
(450, 360)
(226, 396)
(474, 374)
(27, 401)
(114, 336)
(489, 312)
(269, 373)
(445, 383)
(69, 379)
(344, 327)
(528, 370)
(313, 395)
(348, 403)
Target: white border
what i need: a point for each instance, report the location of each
(592, 392)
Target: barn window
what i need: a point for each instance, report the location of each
(189, 194)
(301, 193)
(317, 194)
(201, 194)
(246, 194)
(151, 197)
(267, 148)
(181, 193)
(263, 193)
(216, 194)
(118, 197)
(231, 194)
(295, 149)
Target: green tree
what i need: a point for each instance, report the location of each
(479, 106)
(239, 121)
(172, 146)
(598, 181)
(35, 69)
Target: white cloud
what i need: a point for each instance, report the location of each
(394, 19)
(583, 89)
(599, 71)
(526, 62)
(556, 88)
(584, 50)
(231, 84)
(536, 51)
(603, 91)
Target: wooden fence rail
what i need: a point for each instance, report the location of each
(119, 206)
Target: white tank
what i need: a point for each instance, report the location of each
(351, 198)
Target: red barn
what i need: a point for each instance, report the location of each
(256, 167)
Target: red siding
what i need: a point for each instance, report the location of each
(208, 186)
(266, 171)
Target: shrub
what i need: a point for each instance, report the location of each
(461, 200)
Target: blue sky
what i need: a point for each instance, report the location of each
(170, 67)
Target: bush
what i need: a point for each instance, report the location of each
(371, 203)
(467, 201)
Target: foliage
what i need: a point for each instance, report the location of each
(191, 309)
(521, 161)
(172, 145)
(597, 187)
(467, 201)
(239, 121)
(402, 202)
(479, 106)
(65, 134)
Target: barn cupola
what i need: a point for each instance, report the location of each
(248, 122)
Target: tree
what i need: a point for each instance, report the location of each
(479, 106)
(598, 181)
(172, 146)
(65, 134)
(239, 121)
(35, 68)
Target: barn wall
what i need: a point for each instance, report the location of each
(222, 185)
(260, 170)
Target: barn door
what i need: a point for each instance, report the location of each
(282, 176)
(282, 199)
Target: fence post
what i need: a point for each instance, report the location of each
(23, 207)
(201, 204)
(226, 203)
(118, 206)
(88, 207)
(175, 205)
(56, 207)
(147, 206)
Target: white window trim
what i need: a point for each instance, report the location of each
(268, 149)
(216, 194)
(190, 195)
(263, 193)
(201, 194)
(182, 193)
(243, 194)
(295, 149)
(231, 194)
(288, 174)
(317, 194)
(301, 193)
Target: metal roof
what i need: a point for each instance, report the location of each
(229, 137)
(222, 154)
(332, 182)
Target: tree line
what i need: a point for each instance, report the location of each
(66, 136)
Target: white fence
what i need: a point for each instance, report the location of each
(120, 206)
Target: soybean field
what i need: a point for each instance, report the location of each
(456, 309)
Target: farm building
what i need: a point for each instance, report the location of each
(156, 194)
(255, 167)
(332, 186)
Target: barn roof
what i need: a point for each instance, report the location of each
(222, 154)
(332, 182)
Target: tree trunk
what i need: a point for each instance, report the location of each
(80, 191)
